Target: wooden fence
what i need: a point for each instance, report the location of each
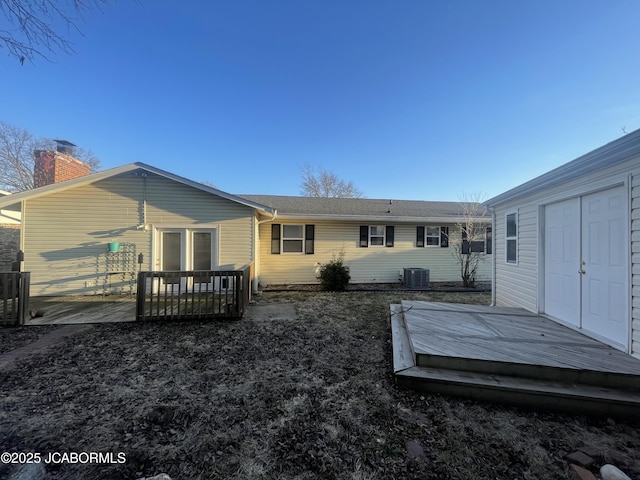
(200, 294)
(14, 297)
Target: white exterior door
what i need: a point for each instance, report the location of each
(180, 249)
(605, 271)
(562, 257)
(586, 264)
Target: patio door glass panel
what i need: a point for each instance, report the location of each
(171, 258)
(202, 249)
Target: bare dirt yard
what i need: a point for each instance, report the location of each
(310, 397)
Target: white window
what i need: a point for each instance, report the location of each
(292, 238)
(511, 237)
(376, 236)
(432, 236)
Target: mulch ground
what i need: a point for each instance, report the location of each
(305, 398)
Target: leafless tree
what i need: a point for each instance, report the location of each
(16, 157)
(34, 28)
(326, 184)
(470, 247)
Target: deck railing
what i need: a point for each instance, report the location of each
(14, 297)
(199, 294)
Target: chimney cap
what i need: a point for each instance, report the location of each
(64, 146)
(65, 143)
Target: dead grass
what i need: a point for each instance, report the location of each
(280, 399)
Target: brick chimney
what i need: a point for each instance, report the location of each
(57, 166)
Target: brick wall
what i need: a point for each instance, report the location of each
(9, 246)
(54, 167)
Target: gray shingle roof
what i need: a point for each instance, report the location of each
(357, 207)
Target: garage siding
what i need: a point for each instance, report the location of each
(635, 264)
(520, 285)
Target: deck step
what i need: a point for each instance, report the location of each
(539, 394)
(524, 370)
(539, 387)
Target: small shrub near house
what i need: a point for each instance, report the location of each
(334, 275)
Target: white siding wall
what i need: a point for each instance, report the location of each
(66, 233)
(635, 264)
(367, 265)
(519, 285)
(516, 284)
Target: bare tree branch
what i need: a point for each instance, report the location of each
(470, 247)
(326, 184)
(16, 157)
(34, 28)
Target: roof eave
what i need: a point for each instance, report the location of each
(95, 177)
(617, 151)
(378, 218)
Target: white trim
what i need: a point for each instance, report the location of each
(595, 187)
(301, 239)
(438, 236)
(186, 242)
(620, 150)
(131, 167)
(384, 236)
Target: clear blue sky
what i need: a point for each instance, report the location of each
(414, 99)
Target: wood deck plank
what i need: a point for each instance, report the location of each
(507, 335)
(403, 355)
(504, 354)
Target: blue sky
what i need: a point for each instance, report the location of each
(414, 99)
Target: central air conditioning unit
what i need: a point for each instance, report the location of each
(416, 278)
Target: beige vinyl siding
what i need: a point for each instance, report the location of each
(66, 233)
(635, 264)
(519, 285)
(366, 265)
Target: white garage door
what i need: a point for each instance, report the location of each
(586, 264)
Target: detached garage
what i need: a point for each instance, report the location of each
(567, 244)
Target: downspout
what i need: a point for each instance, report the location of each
(23, 215)
(256, 253)
(143, 225)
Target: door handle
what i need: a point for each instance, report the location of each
(582, 272)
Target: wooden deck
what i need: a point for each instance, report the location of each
(510, 355)
(82, 309)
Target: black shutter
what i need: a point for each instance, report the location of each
(275, 238)
(444, 236)
(477, 246)
(364, 236)
(309, 234)
(466, 250)
(419, 236)
(389, 235)
(489, 240)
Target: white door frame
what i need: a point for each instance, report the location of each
(626, 346)
(186, 245)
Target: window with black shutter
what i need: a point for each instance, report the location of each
(466, 249)
(275, 238)
(309, 237)
(444, 237)
(389, 236)
(419, 236)
(364, 236)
